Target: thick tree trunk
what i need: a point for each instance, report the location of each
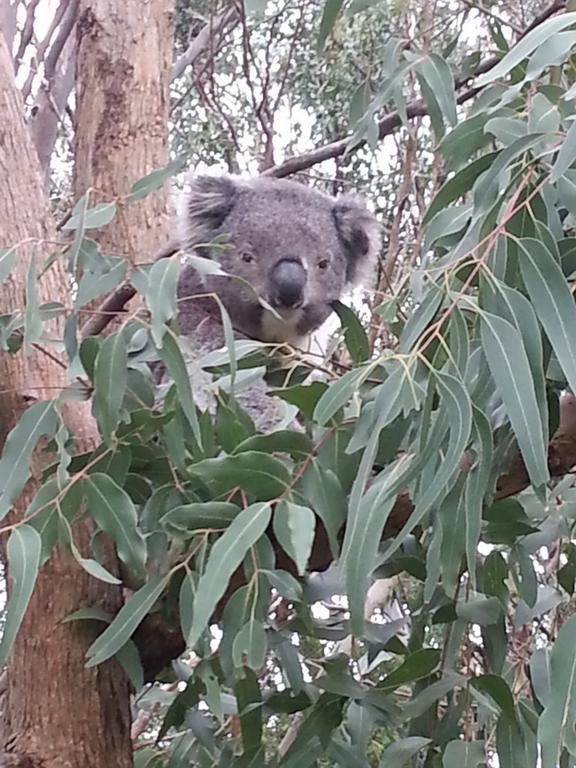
(57, 714)
(122, 109)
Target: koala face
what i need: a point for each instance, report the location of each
(298, 249)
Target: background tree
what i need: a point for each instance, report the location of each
(431, 489)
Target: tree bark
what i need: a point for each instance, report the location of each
(122, 110)
(57, 714)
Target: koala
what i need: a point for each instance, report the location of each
(297, 248)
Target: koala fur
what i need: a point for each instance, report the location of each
(297, 248)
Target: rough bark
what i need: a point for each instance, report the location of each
(57, 714)
(124, 58)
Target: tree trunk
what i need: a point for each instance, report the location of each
(122, 109)
(57, 714)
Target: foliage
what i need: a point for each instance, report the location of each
(480, 658)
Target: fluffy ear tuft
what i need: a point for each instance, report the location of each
(205, 204)
(360, 234)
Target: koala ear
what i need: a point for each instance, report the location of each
(205, 204)
(359, 232)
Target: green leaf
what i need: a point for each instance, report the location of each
(285, 584)
(480, 610)
(128, 656)
(110, 380)
(93, 218)
(476, 487)
(506, 129)
(430, 695)
(172, 358)
(321, 722)
(225, 557)
(338, 393)
(452, 517)
(249, 698)
(510, 368)
(114, 512)
(161, 296)
(496, 687)
(552, 52)
(330, 13)
(420, 319)
(540, 675)
(23, 551)
(7, 261)
(129, 659)
(186, 602)
(354, 333)
(556, 726)
(126, 621)
(567, 574)
(38, 420)
(258, 474)
(93, 285)
(156, 179)
(294, 527)
(438, 75)
(464, 754)
(552, 301)
(324, 494)
(90, 565)
(511, 746)
(297, 444)
(362, 540)
(78, 217)
(525, 47)
(566, 155)
(203, 516)
(416, 666)
(250, 646)
(401, 750)
(32, 318)
(457, 409)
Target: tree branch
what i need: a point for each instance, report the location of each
(59, 15)
(197, 47)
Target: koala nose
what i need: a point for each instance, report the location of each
(287, 283)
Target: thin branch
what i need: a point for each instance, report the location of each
(198, 46)
(26, 35)
(43, 47)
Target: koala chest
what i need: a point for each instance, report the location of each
(283, 329)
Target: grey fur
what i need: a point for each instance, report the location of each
(271, 221)
(265, 231)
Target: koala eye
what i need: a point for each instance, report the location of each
(323, 264)
(247, 257)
